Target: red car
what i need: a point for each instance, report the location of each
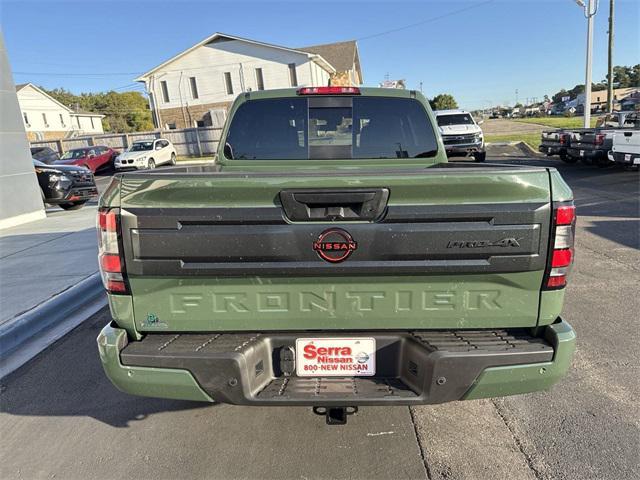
(94, 158)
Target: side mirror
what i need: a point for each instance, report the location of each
(158, 147)
(91, 155)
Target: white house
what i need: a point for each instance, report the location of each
(47, 119)
(195, 87)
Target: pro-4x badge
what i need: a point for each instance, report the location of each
(505, 242)
(335, 245)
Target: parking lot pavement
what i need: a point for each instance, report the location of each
(59, 416)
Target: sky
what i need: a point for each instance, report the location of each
(479, 51)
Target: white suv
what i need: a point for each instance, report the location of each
(461, 134)
(147, 154)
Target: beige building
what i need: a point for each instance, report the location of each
(45, 118)
(599, 98)
(196, 87)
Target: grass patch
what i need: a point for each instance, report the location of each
(531, 139)
(558, 122)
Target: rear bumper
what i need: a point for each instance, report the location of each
(590, 154)
(421, 367)
(625, 158)
(552, 149)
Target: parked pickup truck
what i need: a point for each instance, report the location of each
(461, 135)
(592, 145)
(333, 258)
(556, 142)
(625, 148)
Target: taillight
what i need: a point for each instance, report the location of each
(329, 91)
(599, 139)
(563, 139)
(110, 257)
(562, 254)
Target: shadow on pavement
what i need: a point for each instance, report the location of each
(67, 380)
(624, 232)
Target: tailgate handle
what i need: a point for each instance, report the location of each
(628, 134)
(334, 205)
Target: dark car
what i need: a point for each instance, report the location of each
(44, 154)
(67, 186)
(93, 158)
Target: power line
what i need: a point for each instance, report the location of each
(428, 20)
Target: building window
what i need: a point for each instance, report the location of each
(92, 125)
(165, 91)
(44, 119)
(259, 79)
(171, 126)
(26, 119)
(62, 121)
(228, 82)
(293, 77)
(199, 123)
(194, 87)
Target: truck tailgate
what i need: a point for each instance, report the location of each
(451, 247)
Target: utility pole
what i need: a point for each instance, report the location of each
(516, 96)
(610, 64)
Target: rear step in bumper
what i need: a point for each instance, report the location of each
(420, 367)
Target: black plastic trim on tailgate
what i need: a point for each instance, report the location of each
(496, 238)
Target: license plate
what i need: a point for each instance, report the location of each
(636, 161)
(335, 357)
(627, 157)
(582, 153)
(549, 150)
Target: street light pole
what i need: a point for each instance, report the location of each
(590, 10)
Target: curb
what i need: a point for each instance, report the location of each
(26, 335)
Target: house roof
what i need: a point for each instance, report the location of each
(24, 85)
(318, 58)
(342, 55)
(20, 86)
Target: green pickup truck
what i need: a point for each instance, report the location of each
(333, 258)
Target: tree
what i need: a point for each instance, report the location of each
(444, 101)
(124, 112)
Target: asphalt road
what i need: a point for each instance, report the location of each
(61, 418)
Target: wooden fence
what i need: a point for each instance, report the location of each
(197, 142)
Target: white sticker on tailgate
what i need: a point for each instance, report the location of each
(335, 357)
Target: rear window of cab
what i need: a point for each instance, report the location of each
(330, 127)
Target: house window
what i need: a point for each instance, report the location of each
(228, 82)
(92, 125)
(165, 91)
(293, 77)
(194, 87)
(44, 119)
(259, 79)
(26, 119)
(62, 121)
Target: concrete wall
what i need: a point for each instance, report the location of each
(20, 197)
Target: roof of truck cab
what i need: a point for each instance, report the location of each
(364, 91)
(453, 111)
